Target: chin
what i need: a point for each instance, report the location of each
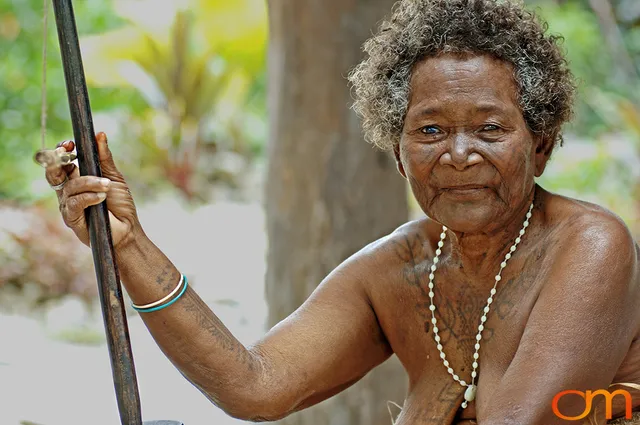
(464, 217)
(464, 226)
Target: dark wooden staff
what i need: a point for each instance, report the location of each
(110, 291)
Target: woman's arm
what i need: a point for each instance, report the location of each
(326, 345)
(578, 332)
(329, 343)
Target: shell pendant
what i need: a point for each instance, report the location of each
(470, 393)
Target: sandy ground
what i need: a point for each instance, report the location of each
(49, 382)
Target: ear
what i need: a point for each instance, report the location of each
(396, 153)
(544, 147)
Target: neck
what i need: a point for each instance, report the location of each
(480, 254)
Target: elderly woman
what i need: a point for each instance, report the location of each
(502, 297)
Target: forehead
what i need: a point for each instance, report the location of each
(454, 82)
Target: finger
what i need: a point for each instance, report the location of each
(71, 170)
(107, 165)
(119, 198)
(72, 207)
(69, 145)
(83, 184)
(56, 174)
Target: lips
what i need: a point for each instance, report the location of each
(466, 192)
(466, 187)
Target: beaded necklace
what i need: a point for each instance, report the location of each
(470, 393)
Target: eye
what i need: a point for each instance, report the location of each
(490, 127)
(430, 130)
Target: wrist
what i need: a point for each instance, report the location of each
(132, 244)
(145, 272)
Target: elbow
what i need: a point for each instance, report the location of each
(254, 414)
(263, 398)
(243, 403)
(251, 406)
(252, 400)
(254, 397)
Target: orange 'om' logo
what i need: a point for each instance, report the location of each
(588, 397)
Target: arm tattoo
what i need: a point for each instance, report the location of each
(214, 327)
(166, 279)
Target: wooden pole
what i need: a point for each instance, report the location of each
(110, 291)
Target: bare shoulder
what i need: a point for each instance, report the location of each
(590, 227)
(415, 238)
(411, 243)
(597, 245)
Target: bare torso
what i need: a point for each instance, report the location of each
(401, 304)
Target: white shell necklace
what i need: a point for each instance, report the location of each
(470, 393)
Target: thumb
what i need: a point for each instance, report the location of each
(108, 167)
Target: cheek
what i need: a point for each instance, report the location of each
(418, 160)
(516, 167)
(515, 157)
(525, 165)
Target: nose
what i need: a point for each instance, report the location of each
(461, 154)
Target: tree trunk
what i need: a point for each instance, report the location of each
(328, 192)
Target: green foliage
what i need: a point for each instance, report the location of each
(589, 58)
(221, 67)
(20, 88)
(600, 177)
(196, 73)
(607, 113)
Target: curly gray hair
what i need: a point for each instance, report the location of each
(503, 29)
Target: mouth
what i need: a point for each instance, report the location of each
(466, 187)
(465, 191)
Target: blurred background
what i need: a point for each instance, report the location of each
(249, 172)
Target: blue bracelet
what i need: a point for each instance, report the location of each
(160, 307)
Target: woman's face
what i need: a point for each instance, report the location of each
(465, 147)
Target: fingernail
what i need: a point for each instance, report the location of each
(102, 196)
(105, 182)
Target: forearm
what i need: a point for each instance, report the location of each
(188, 332)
